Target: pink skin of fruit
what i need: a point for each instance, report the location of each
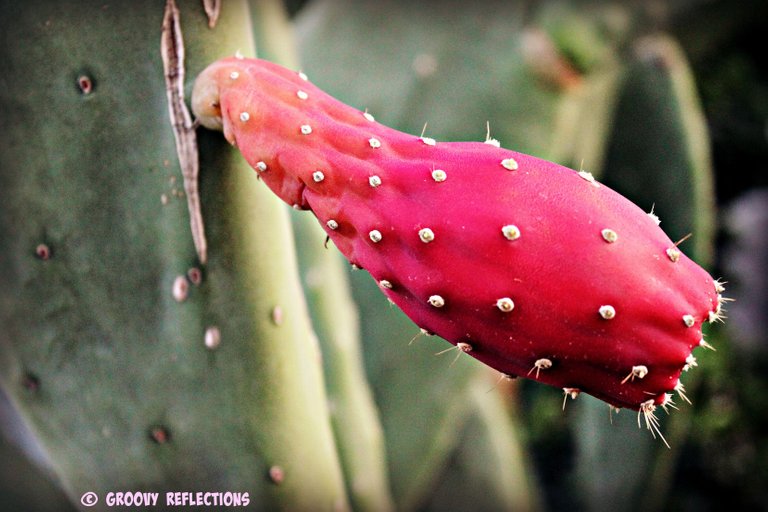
(535, 269)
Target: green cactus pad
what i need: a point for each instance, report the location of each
(137, 367)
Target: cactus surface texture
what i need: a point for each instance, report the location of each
(136, 367)
(534, 269)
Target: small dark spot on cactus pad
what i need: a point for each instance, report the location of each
(276, 475)
(30, 382)
(195, 276)
(159, 435)
(43, 252)
(85, 84)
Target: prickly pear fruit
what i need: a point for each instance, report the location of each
(537, 270)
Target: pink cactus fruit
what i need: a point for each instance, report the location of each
(537, 270)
